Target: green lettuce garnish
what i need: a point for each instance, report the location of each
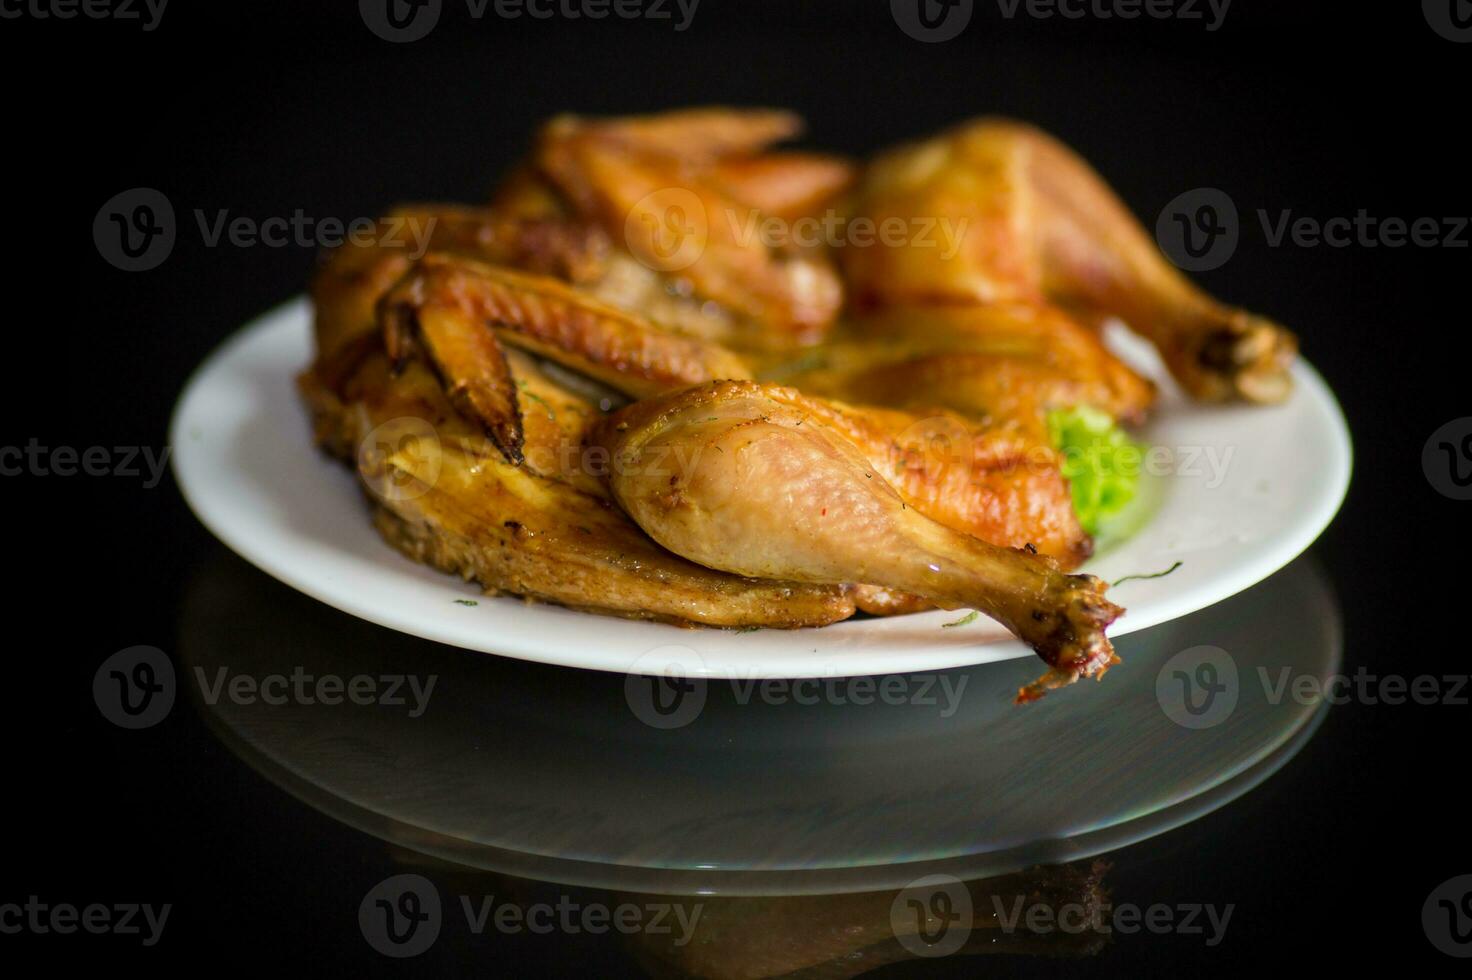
(1101, 462)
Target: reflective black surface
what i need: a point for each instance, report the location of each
(761, 789)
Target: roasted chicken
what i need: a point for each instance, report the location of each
(565, 399)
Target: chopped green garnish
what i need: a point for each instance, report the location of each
(551, 415)
(1101, 462)
(1163, 574)
(963, 621)
(810, 361)
(466, 602)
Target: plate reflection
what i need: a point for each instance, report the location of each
(829, 786)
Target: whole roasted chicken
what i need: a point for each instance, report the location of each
(615, 389)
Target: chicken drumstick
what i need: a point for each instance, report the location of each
(769, 490)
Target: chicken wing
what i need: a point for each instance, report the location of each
(347, 287)
(685, 192)
(1040, 226)
(457, 312)
(775, 489)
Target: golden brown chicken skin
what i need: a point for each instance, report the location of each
(604, 391)
(1041, 227)
(546, 529)
(999, 481)
(348, 285)
(680, 192)
(1001, 362)
(457, 314)
(779, 488)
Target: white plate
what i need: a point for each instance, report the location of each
(1247, 488)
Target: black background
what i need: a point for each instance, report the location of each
(264, 108)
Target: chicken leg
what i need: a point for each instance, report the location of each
(1036, 224)
(770, 490)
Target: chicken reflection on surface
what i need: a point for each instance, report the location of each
(889, 459)
(811, 936)
(848, 935)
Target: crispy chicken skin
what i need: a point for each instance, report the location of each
(1041, 227)
(680, 192)
(504, 492)
(467, 329)
(347, 287)
(779, 488)
(456, 313)
(1002, 362)
(997, 482)
(546, 529)
(604, 391)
